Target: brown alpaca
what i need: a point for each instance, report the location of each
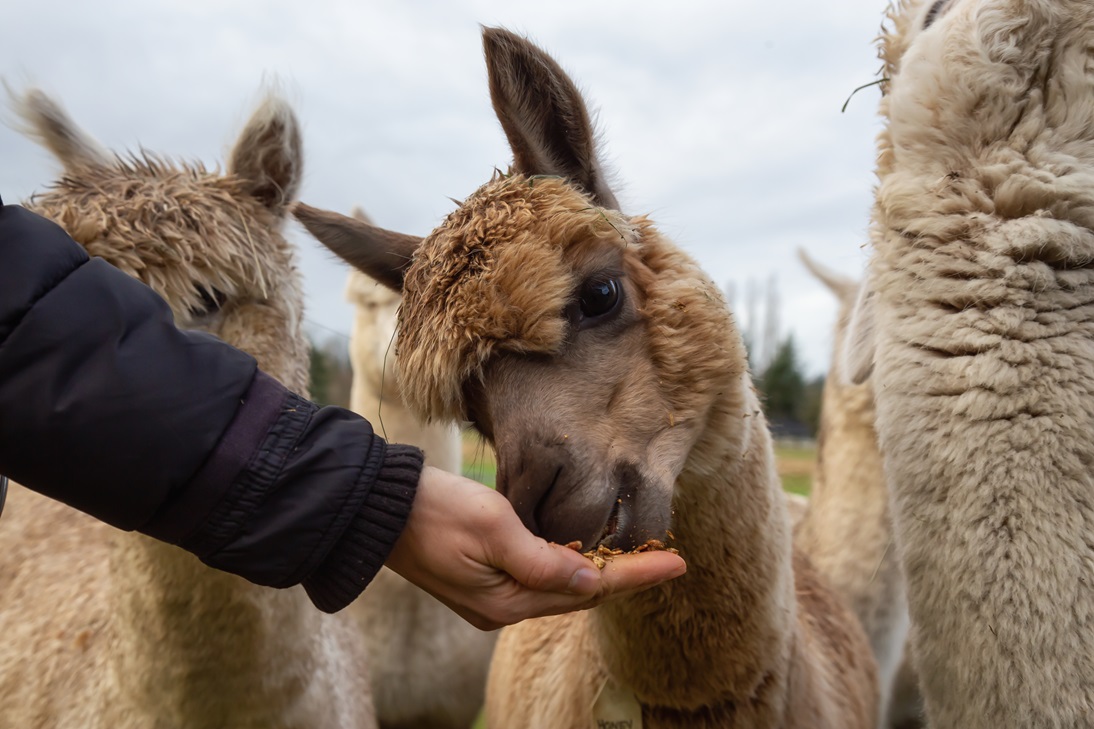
(111, 630)
(846, 530)
(605, 369)
(428, 664)
(978, 323)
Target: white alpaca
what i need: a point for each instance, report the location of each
(104, 629)
(979, 321)
(605, 368)
(428, 664)
(846, 530)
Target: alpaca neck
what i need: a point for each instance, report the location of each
(201, 648)
(849, 469)
(722, 632)
(850, 497)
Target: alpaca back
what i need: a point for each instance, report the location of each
(429, 665)
(111, 629)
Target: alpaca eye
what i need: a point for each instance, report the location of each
(599, 296)
(211, 302)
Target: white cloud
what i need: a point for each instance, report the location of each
(721, 119)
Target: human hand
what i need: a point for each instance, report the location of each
(464, 544)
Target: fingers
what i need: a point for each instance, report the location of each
(633, 572)
(544, 567)
(624, 574)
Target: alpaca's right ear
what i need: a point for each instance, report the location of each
(380, 253)
(269, 155)
(857, 353)
(844, 287)
(47, 122)
(543, 114)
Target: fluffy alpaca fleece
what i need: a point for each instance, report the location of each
(846, 530)
(112, 630)
(428, 665)
(650, 404)
(982, 319)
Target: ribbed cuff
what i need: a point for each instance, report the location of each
(361, 552)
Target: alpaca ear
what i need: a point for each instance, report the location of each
(359, 213)
(379, 253)
(543, 114)
(268, 156)
(857, 353)
(44, 120)
(844, 287)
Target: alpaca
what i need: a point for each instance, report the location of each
(428, 664)
(976, 322)
(113, 630)
(604, 367)
(846, 530)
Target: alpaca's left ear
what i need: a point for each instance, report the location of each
(379, 253)
(543, 115)
(268, 156)
(857, 353)
(46, 121)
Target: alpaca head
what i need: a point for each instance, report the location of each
(376, 312)
(847, 292)
(846, 398)
(209, 243)
(585, 346)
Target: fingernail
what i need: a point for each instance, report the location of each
(586, 581)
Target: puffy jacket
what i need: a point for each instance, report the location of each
(107, 406)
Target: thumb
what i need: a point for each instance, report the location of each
(545, 567)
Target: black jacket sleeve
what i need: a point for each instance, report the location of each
(107, 406)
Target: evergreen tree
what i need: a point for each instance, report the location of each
(319, 371)
(330, 372)
(782, 382)
(810, 409)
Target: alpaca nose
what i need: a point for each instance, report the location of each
(540, 482)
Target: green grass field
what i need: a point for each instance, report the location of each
(478, 459)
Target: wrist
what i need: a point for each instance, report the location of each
(371, 534)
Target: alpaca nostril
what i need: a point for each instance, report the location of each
(537, 482)
(538, 516)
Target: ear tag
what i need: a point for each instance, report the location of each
(616, 708)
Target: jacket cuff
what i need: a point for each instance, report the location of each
(368, 540)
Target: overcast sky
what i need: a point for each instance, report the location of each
(721, 120)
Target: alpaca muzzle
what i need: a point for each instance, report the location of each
(550, 491)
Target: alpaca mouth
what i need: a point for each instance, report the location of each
(617, 528)
(612, 526)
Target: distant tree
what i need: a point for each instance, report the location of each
(791, 403)
(810, 409)
(782, 382)
(331, 373)
(319, 371)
